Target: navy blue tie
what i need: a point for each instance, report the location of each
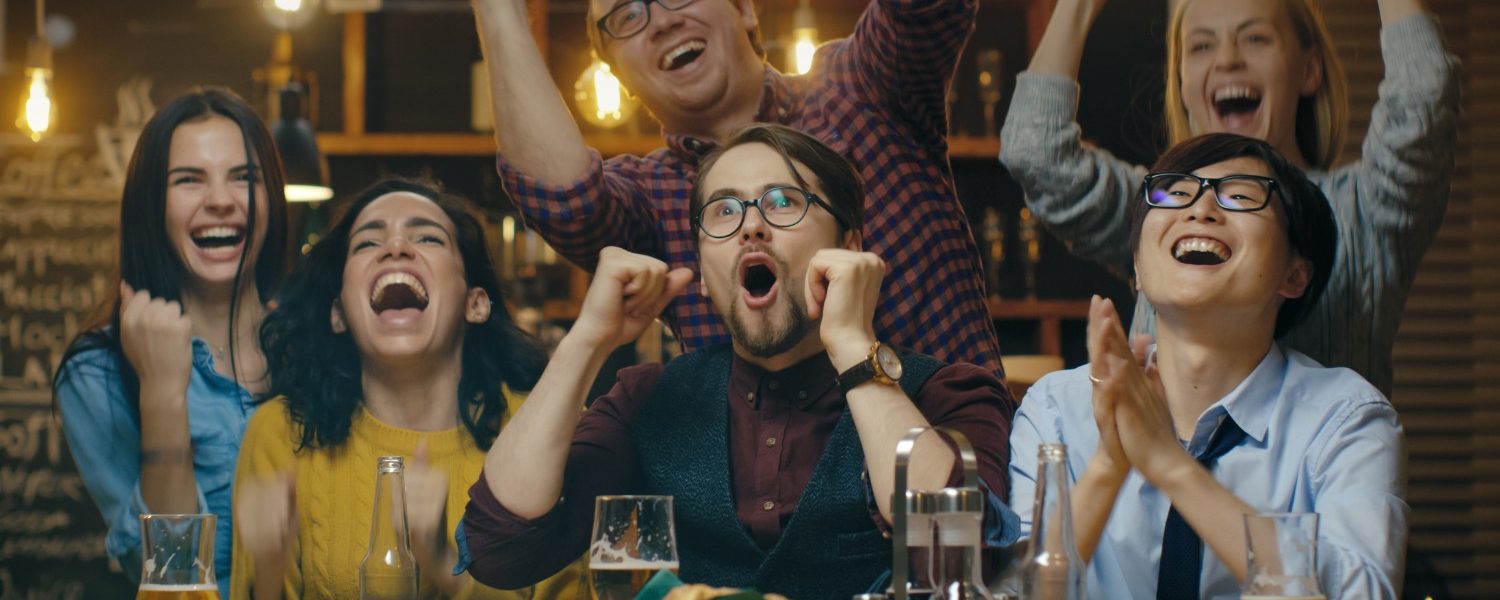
(1181, 548)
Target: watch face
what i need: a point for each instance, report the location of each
(890, 362)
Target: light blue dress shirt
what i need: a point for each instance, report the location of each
(105, 440)
(1317, 440)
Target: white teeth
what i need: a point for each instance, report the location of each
(1214, 247)
(1233, 92)
(216, 232)
(666, 61)
(390, 279)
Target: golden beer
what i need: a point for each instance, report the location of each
(189, 591)
(624, 580)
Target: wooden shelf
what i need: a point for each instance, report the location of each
(483, 144)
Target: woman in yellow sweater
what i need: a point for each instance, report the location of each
(391, 339)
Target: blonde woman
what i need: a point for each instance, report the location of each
(1265, 69)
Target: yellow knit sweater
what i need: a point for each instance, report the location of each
(335, 493)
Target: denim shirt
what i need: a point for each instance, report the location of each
(104, 437)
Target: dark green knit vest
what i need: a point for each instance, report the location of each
(830, 549)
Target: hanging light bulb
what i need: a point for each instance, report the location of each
(804, 38)
(288, 14)
(36, 113)
(600, 97)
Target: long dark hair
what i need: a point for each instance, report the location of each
(318, 370)
(1310, 228)
(147, 259)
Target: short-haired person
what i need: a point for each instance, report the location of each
(1267, 69)
(1232, 245)
(155, 396)
(392, 338)
(877, 97)
(774, 444)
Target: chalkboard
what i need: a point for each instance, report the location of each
(59, 213)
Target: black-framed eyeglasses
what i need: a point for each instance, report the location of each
(780, 207)
(1241, 193)
(632, 16)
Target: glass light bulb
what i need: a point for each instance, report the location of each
(36, 107)
(802, 50)
(601, 98)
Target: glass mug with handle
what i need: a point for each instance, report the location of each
(633, 539)
(177, 558)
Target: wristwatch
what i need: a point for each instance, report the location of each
(882, 365)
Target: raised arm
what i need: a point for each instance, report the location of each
(902, 55)
(525, 466)
(1080, 192)
(1400, 185)
(533, 128)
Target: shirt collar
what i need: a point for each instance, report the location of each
(803, 384)
(1250, 403)
(775, 107)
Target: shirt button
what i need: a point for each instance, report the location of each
(770, 441)
(768, 505)
(775, 385)
(802, 395)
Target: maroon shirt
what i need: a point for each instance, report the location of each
(779, 424)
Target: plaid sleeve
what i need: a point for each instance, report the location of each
(903, 54)
(608, 206)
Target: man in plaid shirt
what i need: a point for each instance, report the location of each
(877, 97)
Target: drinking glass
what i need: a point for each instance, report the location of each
(1283, 556)
(633, 539)
(177, 558)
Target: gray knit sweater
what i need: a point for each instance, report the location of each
(1388, 205)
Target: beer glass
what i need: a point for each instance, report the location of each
(1283, 556)
(177, 558)
(633, 539)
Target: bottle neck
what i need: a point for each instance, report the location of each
(1052, 516)
(388, 523)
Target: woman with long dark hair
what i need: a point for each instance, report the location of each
(392, 338)
(155, 394)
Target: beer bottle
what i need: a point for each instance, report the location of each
(389, 572)
(1053, 569)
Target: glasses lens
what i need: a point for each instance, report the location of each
(722, 216)
(1172, 191)
(783, 207)
(626, 19)
(1243, 193)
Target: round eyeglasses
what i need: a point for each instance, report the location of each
(1241, 193)
(780, 207)
(630, 17)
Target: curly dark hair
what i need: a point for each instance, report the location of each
(318, 370)
(1310, 228)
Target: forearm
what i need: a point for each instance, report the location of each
(268, 581)
(1392, 11)
(168, 484)
(1093, 499)
(533, 129)
(525, 467)
(1061, 48)
(1213, 511)
(882, 415)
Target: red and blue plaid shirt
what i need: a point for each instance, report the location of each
(877, 97)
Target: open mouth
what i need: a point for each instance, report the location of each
(1236, 104)
(758, 276)
(218, 236)
(1201, 251)
(398, 291)
(682, 55)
